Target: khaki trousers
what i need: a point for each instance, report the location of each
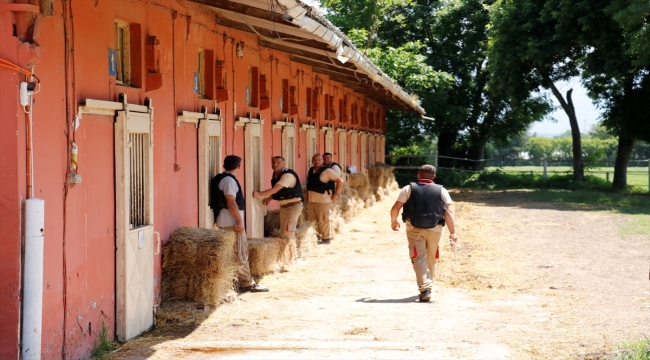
(241, 257)
(320, 212)
(289, 220)
(423, 245)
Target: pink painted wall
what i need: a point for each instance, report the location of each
(81, 218)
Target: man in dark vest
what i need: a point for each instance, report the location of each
(228, 203)
(320, 194)
(427, 208)
(286, 189)
(327, 161)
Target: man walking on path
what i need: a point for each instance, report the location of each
(427, 208)
(320, 195)
(227, 201)
(286, 189)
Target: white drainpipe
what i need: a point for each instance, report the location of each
(33, 284)
(298, 15)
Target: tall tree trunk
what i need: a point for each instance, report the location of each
(625, 147)
(446, 142)
(478, 153)
(567, 105)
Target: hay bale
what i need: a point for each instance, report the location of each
(359, 182)
(272, 223)
(197, 265)
(270, 255)
(306, 239)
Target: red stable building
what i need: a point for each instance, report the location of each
(132, 107)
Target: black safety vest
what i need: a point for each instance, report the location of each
(218, 198)
(332, 164)
(313, 181)
(332, 184)
(287, 193)
(425, 208)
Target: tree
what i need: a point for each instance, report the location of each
(528, 52)
(455, 35)
(613, 70)
(451, 36)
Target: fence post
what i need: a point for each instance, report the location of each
(607, 176)
(435, 160)
(648, 175)
(545, 165)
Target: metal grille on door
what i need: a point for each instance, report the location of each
(138, 163)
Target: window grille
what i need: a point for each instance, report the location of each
(213, 157)
(139, 181)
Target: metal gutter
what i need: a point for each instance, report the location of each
(311, 20)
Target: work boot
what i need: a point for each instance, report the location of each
(254, 288)
(425, 296)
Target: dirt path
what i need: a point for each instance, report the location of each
(530, 280)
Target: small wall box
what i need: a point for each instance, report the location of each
(112, 62)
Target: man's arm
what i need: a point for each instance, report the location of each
(394, 213)
(339, 187)
(449, 220)
(268, 192)
(234, 211)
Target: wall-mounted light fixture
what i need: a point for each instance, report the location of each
(240, 50)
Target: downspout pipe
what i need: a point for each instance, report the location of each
(298, 15)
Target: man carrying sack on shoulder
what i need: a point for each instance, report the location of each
(323, 187)
(427, 208)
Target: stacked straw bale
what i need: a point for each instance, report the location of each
(269, 255)
(359, 182)
(305, 233)
(197, 265)
(272, 223)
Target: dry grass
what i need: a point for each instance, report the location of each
(197, 265)
(173, 313)
(269, 255)
(306, 239)
(478, 263)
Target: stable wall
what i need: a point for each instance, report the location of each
(80, 219)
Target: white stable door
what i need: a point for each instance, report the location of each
(134, 223)
(254, 177)
(210, 164)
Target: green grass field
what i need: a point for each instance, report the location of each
(637, 176)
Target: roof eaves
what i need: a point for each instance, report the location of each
(310, 19)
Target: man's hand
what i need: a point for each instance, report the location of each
(394, 225)
(335, 196)
(256, 194)
(240, 227)
(266, 201)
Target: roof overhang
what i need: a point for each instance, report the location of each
(301, 31)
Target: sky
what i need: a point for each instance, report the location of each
(586, 112)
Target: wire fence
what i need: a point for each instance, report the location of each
(638, 171)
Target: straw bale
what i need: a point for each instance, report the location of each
(270, 255)
(357, 180)
(306, 238)
(197, 265)
(272, 223)
(359, 183)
